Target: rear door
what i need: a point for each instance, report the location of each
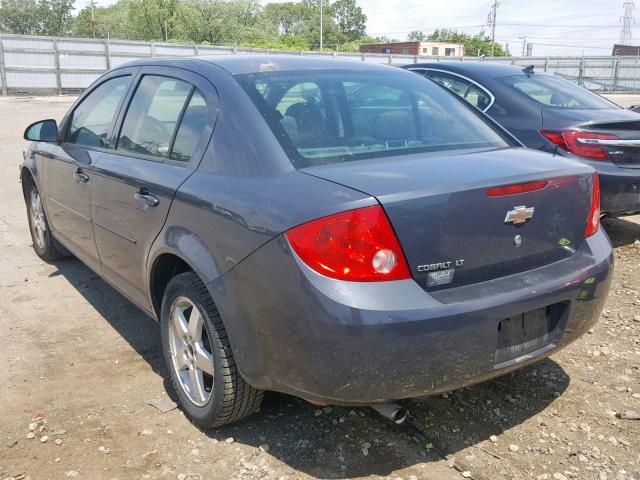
(161, 137)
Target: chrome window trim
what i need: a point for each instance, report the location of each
(491, 96)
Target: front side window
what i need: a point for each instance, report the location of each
(91, 121)
(153, 116)
(467, 90)
(343, 115)
(555, 92)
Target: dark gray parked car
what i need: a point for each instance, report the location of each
(343, 232)
(554, 115)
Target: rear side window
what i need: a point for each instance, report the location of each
(467, 90)
(191, 127)
(323, 117)
(154, 115)
(91, 120)
(555, 92)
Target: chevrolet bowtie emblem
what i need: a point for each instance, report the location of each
(519, 215)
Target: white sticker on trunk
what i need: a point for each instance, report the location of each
(441, 277)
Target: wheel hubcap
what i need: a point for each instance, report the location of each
(38, 223)
(191, 351)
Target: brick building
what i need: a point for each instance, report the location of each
(625, 50)
(430, 49)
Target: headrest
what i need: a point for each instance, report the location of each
(394, 125)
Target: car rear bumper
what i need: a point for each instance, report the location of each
(619, 186)
(352, 343)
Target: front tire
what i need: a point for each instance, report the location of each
(198, 356)
(43, 242)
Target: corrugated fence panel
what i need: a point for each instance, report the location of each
(27, 42)
(402, 59)
(384, 59)
(29, 59)
(77, 80)
(97, 46)
(121, 47)
(175, 50)
(31, 80)
(78, 58)
(214, 51)
(118, 60)
(79, 61)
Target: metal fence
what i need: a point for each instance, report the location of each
(32, 64)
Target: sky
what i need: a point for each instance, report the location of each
(554, 27)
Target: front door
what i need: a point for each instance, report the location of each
(68, 168)
(162, 136)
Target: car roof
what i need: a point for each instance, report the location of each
(237, 64)
(476, 69)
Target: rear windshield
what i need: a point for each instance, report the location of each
(555, 92)
(323, 117)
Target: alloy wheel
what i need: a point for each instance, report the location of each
(191, 351)
(38, 222)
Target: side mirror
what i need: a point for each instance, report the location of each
(42, 131)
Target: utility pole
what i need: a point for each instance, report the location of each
(93, 17)
(627, 19)
(321, 25)
(491, 22)
(524, 44)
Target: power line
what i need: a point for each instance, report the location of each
(627, 20)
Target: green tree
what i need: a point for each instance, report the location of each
(220, 22)
(288, 18)
(154, 19)
(350, 18)
(473, 44)
(110, 22)
(36, 17)
(302, 19)
(57, 17)
(417, 36)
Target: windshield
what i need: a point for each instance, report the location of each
(323, 117)
(556, 92)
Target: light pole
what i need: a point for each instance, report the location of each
(321, 25)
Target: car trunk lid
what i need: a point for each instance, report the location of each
(623, 124)
(453, 233)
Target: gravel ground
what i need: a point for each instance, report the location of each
(82, 364)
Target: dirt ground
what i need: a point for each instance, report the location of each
(80, 364)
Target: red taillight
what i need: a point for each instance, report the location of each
(569, 140)
(516, 188)
(593, 221)
(357, 245)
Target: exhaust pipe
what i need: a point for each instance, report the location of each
(392, 411)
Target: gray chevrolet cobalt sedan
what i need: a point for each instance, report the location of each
(344, 232)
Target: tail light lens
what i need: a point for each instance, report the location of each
(594, 211)
(569, 140)
(357, 245)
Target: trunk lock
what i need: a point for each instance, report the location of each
(517, 240)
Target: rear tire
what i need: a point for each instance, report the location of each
(42, 239)
(198, 356)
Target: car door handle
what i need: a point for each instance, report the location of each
(81, 177)
(144, 196)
